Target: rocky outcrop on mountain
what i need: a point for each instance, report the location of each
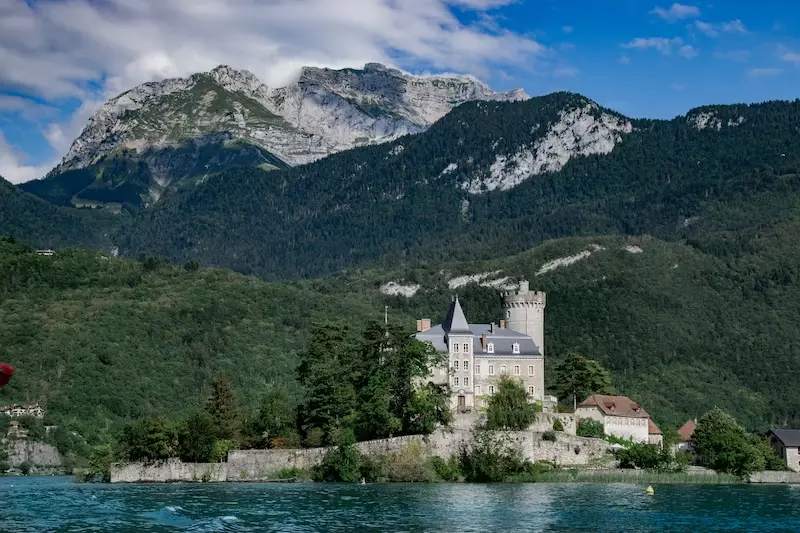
(579, 131)
(323, 112)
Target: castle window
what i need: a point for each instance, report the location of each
(490, 347)
(515, 348)
(455, 382)
(466, 382)
(465, 366)
(466, 348)
(503, 369)
(516, 370)
(455, 364)
(491, 389)
(532, 390)
(530, 370)
(508, 313)
(477, 370)
(455, 347)
(477, 390)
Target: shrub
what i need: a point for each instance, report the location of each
(341, 463)
(489, 458)
(509, 408)
(591, 428)
(219, 452)
(449, 470)
(722, 444)
(196, 439)
(557, 425)
(25, 468)
(315, 438)
(637, 455)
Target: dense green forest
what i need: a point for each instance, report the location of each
(100, 339)
(47, 226)
(129, 179)
(384, 205)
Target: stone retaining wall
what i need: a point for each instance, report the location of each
(257, 465)
(771, 476)
(168, 472)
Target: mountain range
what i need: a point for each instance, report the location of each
(668, 248)
(148, 138)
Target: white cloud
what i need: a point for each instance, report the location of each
(791, 57)
(14, 167)
(687, 51)
(91, 50)
(567, 29)
(706, 28)
(677, 12)
(662, 44)
(712, 30)
(740, 56)
(565, 72)
(734, 26)
(763, 72)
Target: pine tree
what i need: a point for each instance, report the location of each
(221, 405)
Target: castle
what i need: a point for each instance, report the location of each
(480, 353)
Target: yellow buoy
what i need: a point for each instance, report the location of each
(649, 490)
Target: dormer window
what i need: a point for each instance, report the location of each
(490, 347)
(515, 348)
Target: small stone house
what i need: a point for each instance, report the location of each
(620, 416)
(655, 435)
(686, 432)
(786, 443)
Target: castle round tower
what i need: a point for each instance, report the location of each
(524, 310)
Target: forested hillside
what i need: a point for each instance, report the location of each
(720, 168)
(47, 226)
(99, 339)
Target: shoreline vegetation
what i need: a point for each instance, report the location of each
(372, 387)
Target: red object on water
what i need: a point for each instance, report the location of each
(6, 371)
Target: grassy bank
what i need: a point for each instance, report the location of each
(625, 476)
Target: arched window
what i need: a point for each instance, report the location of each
(508, 313)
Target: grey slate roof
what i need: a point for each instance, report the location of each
(502, 338)
(456, 322)
(789, 437)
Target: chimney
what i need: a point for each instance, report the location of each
(423, 324)
(491, 328)
(483, 341)
(502, 324)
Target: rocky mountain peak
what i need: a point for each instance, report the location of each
(323, 112)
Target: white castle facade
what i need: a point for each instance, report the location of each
(480, 353)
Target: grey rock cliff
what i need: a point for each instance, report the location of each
(323, 112)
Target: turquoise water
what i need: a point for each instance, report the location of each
(56, 504)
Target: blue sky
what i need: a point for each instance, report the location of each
(60, 60)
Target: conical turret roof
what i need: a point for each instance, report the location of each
(456, 323)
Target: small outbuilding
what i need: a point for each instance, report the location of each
(786, 443)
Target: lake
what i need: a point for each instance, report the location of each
(45, 504)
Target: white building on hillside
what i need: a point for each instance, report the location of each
(620, 416)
